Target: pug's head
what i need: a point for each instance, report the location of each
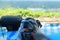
(31, 24)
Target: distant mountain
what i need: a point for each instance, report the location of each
(30, 4)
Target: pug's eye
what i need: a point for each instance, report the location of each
(32, 22)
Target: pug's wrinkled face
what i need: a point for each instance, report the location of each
(34, 22)
(31, 23)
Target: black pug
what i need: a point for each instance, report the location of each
(29, 30)
(12, 23)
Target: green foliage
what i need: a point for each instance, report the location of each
(27, 12)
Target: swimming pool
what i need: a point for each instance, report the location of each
(50, 30)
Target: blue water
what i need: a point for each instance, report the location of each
(50, 30)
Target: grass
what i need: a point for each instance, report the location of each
(27, 12)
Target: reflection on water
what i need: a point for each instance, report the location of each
(3, 32)
(50, 30)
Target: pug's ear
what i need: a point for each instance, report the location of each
(39, 24)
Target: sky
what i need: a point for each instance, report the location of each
(29, 0)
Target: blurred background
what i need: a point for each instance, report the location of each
(47, 11)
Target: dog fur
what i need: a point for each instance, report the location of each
(35, 24)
